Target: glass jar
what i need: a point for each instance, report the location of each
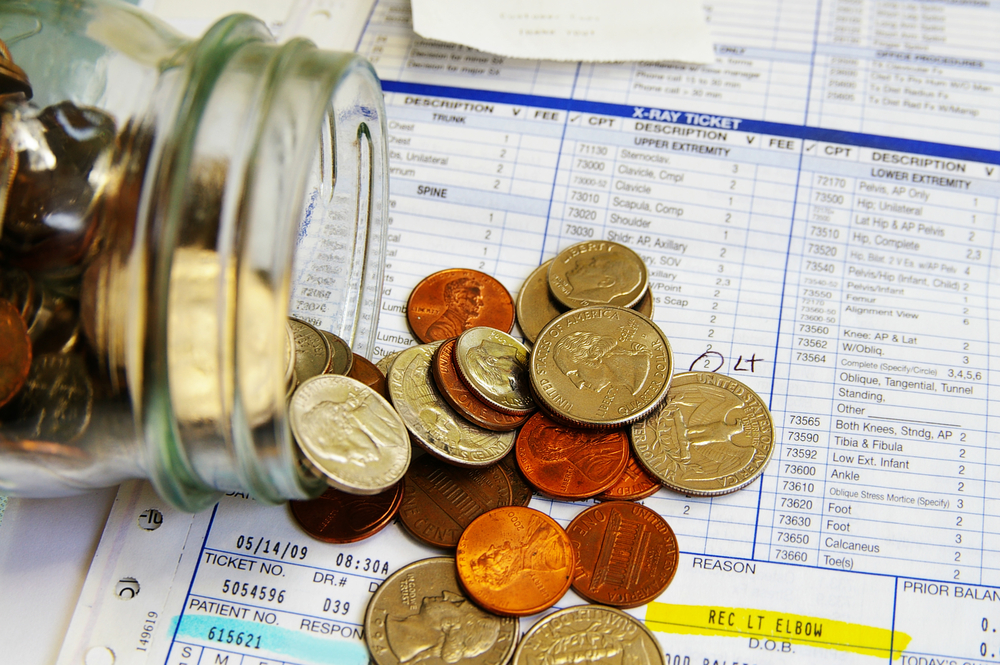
(159, 196)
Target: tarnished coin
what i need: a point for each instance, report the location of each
(55, 404)
(341, 356)
(626, 554)
(515, 561)
(19, 288)
(420, 615)
(634, 484)
(712, 436)
(645, 306)
(312, 350)
(494, 366)
(521, 491)
(433, 424)
(569, 463)
(442, 499)
(458, 395)
(366, 372)
(339, 517)
(450, 302)
(598, 272)
(350, 432)
(601, 366)
(15, 352)
(535, 304)
(589, 634)
(385, 362)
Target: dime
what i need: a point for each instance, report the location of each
(601, 366)
(366, 372)
(515, 561)
(341, 356)
(570, 463)
(451, 301)
(589, 634)
(598, 273)
(626, 554)
(15, 352)
(712, 436)
(494, 366)
(535, 304)
(312, 350)
(385, 362)
(634, 484)
(420, 615)
(350, 432)
(339, 517)
(520, 489)
(433, 424)
(458, 395)
(442, 499)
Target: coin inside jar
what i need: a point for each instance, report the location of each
(15, 352)
(515, 561)
(598, 272)
(450, 302)
(626, 554)
(712, 435)
(351, 433)
(494, 366)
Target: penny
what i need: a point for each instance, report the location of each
(341, 356)
(589, 634)
(521, 491)
(626, 554)
(494, 366)
(712, 436)
(570, 463)
(634, 484)
(420, 615)
(535, 305)
(645, 306)
(385, 362)
(458, 395)
(339, 517)
(450, 302)
(598, 273)
(366, 372)
(350, 432)
(312, 350)
(442, 499)
(434, 425)
(601, 366)
(15, 352)
(515, 561)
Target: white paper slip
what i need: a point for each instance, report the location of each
(570, 30)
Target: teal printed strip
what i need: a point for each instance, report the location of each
(221, 633)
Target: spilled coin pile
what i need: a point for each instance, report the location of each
(592, 410)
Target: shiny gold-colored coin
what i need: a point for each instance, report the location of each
(385, 362)
(600, 367)
(535, 305)
(419, 614)
(312, 350)
(494, 366)
(589, 634)
(712, 435)
(434, 425)
(598, 272)
(341, 356)
(350, 433)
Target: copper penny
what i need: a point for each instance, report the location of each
(442, 499)
(569, 463)
(458, 395)
(515, 561)
(15, 352)
(339, 517)
(366, 372)
(450, 302)
(634, 484)
(626, 554)
(521, 491)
